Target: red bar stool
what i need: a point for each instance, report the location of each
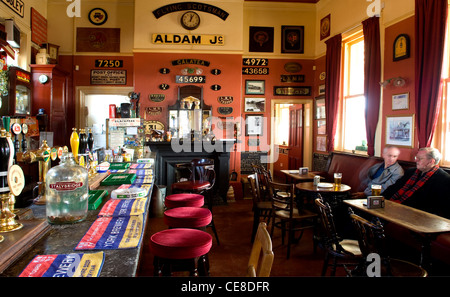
(181, 249)
(188, 217)
(184, 200)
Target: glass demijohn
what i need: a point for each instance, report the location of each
(67, 192)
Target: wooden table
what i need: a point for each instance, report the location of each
(310, 187)
(294, 175)
(416, 220)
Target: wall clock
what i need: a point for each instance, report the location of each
(43, 78)
(190, 20)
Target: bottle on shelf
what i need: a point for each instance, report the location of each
(90, 140)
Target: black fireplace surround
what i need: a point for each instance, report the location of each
(168, 154)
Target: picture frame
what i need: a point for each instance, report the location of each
(400, 101)
(325, 27)
(322, 89)
(401, 47)
(319, 107)
(261, 39)
(255, 87)
(254, 125)
(292, 39)
(254, 104)
(400, 130)
(321, 127)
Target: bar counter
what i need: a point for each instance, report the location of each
(62, 239)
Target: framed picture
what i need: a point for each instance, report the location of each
(321, 143)
(292, 38)
(261, 39)
(325, 26)
(400, 101)
(254, 104)
(254, 125)
(319, 108)
(322, 89)
(400, 130)
(254, 87)
(401, 47)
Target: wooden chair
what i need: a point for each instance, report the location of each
(261, 256)
(263, 176)
(286, 216)
(371, 240)
(201, 181)
(344, 252)
(261, 209)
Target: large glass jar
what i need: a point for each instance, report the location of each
(67, 192)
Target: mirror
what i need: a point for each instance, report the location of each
(189, 114)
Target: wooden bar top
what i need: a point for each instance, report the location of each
(411, 218)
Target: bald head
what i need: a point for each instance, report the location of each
(390, 155)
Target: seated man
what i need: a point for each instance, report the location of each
(386, 173)
(426, 188)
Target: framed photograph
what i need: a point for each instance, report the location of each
(261, 39)
(400, 101)
(254, 104)
(254, 87)
(319, 108)
(322, 89)
(321, 143)
(254, 125)
(400, 130)
(401, 47)
(292, 38)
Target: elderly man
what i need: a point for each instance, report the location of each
(426, 187)
(386, 173)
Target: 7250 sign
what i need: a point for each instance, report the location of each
(100, 63)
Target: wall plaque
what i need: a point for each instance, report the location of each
(292, 67)
(108, 77)
(190, 61)
(224, 110)
(292, 91)
(164, 86)
(225, 99)
(157, 97)
(292, 78)
(216, 87)
(154, 110)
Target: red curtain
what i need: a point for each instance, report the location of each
(372, 76)
(332, 86)
(431, 20)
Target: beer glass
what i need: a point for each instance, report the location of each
(376, 190)
(337, 179)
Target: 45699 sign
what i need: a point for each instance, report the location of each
(190, 79)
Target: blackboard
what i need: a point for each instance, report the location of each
(249, 158)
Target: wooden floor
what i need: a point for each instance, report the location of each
(229, 259)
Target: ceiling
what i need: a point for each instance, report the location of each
(297, 1)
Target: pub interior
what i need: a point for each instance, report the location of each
(224, 138)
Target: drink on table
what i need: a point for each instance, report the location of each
(337, 180)
(376, 190)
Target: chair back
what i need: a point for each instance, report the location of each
(263, 177)
(253, 188)
(261, 256)
(282, 196)
(203, 170)
(370, 235)
(331, 237)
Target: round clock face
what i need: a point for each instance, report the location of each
(190, 20)
(43, 78)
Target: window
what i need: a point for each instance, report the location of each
(282, 124)
(353, 105)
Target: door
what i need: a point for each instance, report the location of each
(295, 150)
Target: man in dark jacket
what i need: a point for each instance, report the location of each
(426, 187)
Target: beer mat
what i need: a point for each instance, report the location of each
(111, 233)
(143, 180)
(96, 198)
(141, 172)
(65, 265)
(141, 166)
(119, 179)
(148, 187)
(119, 166)
(123, 207)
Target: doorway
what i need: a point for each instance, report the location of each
(92, 108)
(285, 136)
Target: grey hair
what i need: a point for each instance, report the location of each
(432, 153)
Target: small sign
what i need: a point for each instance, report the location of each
(155, 110)
(157, 97)
(255, 62)
(190, 79)
(187, 39)
(108, 63)
(292, 91)
(255, 70)
(216, 71)
(216, 87)
(190, 61)
(292, 78)
(164, 86)
(124, 122)
(225, 99)
(108, 77)
(293, 67)
(16, 5)
(164, 70)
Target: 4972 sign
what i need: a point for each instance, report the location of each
(186, 39)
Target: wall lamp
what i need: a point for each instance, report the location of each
(396, 81)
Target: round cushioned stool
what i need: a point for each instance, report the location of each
(184, 200)
(187, 217)
(181, 249)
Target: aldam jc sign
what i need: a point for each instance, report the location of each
(185, 39)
